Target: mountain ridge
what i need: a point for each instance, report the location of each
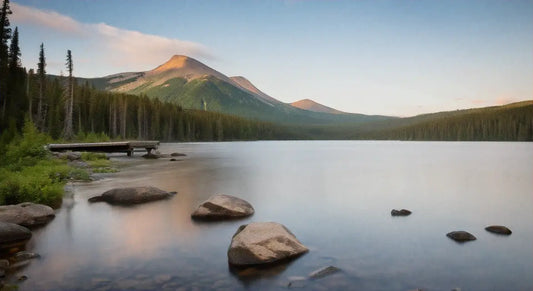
(193, 85)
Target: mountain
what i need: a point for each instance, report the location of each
(193, 85)
(308, 104)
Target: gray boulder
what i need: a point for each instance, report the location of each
(13, 235)
(222, 206)
(132, 195)
(403, 212)
(263, 243)
(498, 229)
(461, 236)
(27, 214)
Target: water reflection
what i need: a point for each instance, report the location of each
(335, 197)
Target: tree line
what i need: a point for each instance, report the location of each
(65, 109)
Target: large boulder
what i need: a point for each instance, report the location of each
(498, 229)
(222, 206)
(132, 195)
(27, 214)
(13, 235)
(461, 236)
(263, 243)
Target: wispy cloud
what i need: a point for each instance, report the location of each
(123, 48)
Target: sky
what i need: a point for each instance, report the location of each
(397, 57)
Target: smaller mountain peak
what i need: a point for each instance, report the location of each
(175, 62)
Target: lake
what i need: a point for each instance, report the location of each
(335, 196)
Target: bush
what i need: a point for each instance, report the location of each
(86, 156)
(41, 183)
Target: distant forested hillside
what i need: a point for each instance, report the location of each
(513, 122)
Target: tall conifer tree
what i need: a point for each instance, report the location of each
(68, 131)
(41, 72)
(5, 36)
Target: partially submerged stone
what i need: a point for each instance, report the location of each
(177, 155)
(323, 272)
(24, 256)
(132, 195)
(461, 236)
(151, 156)
(263, 243)
(402, 212)
(13, 235)
(498, 229)
(27, 214)
(222, 206)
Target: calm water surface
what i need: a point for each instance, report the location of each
(335, 196)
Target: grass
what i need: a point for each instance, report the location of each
(98, 162)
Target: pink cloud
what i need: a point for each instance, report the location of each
(126, 48)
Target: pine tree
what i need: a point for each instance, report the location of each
(14, 51)
(41, 72)
(68, 131)
(5, 36)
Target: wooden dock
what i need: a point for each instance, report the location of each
(106, 147)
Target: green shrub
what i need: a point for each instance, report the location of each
(87, 156)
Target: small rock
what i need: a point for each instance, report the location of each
(461, 236)
(173, 160)
(403, 212)
(132, 195)
(177, 155)
(298, 283)
(323, 272)
(24, 256)
(263, 243)
(151, 156)
(13, 235)
(498, 229)
(23, 278)
(71, 156)
(223, 207)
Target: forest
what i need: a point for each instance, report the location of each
(69, 108)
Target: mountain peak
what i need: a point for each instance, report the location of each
(308, 104)
(176, 62)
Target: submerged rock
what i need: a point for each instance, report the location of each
(27, 214)
(222, 206)
(177, 155)
(499, 229)
(151, 156)
(13, 235)
(403, 212)
(132, 195)
(323, 272)
(461, 236)
(263, 243)
(24, 256)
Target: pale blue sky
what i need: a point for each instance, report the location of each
(376, 57)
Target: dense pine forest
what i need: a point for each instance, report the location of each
(64, 109)
(70, 108)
